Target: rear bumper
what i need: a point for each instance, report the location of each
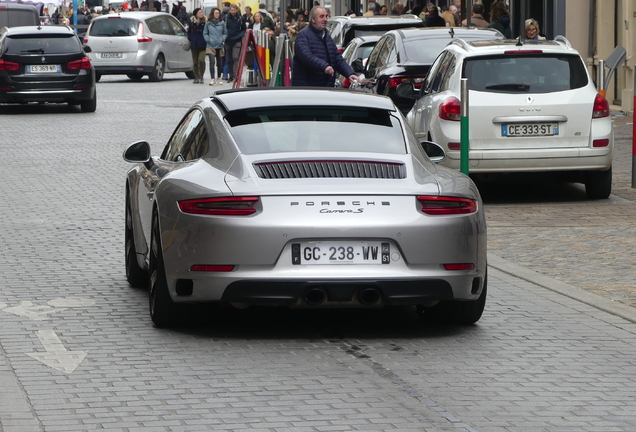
(46, 95)
(535, 160)
(122, 70)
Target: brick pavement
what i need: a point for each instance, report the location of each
(554, 230)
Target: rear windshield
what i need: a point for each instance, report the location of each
(425, 51)
(525, 74)
(114, 27)
(303, 129)
(36, 44)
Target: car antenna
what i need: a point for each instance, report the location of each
(452, 32)
(519, 41)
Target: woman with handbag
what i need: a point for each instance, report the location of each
(197, 44)
(214, 34)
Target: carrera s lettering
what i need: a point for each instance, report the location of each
(358, 210)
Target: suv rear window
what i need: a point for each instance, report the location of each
(37, 44)
(526, 73)
(114, 27)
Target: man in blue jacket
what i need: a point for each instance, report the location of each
(316, 57)
(235, 31)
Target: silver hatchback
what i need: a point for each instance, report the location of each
(138, 44)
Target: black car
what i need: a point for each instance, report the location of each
(45, 64)
(407, 55)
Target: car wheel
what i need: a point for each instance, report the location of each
(89, 105)
(136, 276)
(190, 74)
(135, 76)
(598, 184)
(456, 312)
(162, 308)
(157, 71)
(98, 76)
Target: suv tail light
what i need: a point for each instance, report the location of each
(84, 63)
(601, 107)
(439, 205)
(8, 66)
(142, 35)
(226, 206)
(450, 109)
(417, 80)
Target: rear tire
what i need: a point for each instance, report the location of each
(190, 74)
(157, 71)
(136, 276)
(598, 184)
(162, 308)
(98, 76)
(456, 312)
(89, 105)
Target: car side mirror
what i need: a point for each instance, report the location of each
(87, 49)
(406, 90)
(434, 151)
(357, 65)
(138, 152)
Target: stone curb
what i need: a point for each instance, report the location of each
(562, 288)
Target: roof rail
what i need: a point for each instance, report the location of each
(461, 42)
(563, 40)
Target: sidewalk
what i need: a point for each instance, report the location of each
(589, 245)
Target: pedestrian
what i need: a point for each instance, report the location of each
(184, 17)
(477, 16)
(235, 31)
(433, 18)
(215, 33)
(316, 57)
(384, 10)
(448, 16)
(532, 30)
(257, 22)
(500, 18)
(197, 44)
(247, 16)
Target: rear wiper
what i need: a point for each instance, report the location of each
(523, 87)
(38, 50)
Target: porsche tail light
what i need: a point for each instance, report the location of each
(459, 266)
(84, 63)
(142, 35)
(226, 206)
(450, 109)
(601, 107)
(212, 268)
(8, 66)
(439, 205)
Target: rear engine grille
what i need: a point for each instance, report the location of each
(330, 169)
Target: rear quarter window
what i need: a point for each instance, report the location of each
(114, 27)
(525, 74)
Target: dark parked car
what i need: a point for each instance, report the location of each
(343, 28)
(45, 64)
(407, 55)
(15, 15)
(356, 52)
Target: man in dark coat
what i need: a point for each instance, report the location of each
(235, 31)
(316, 57)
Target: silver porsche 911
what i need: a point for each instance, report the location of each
(302, 198)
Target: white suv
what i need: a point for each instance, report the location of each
(532, 108)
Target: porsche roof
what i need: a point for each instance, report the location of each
(237, 99)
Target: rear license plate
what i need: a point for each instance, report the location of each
(529, 129)
(112, 55)
(341, 252)
(43, 68)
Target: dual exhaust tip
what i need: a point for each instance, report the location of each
(367, 296)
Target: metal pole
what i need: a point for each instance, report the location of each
(634, 134)
(464, 143)
(601, 77)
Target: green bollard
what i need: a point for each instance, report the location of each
(464, 142)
